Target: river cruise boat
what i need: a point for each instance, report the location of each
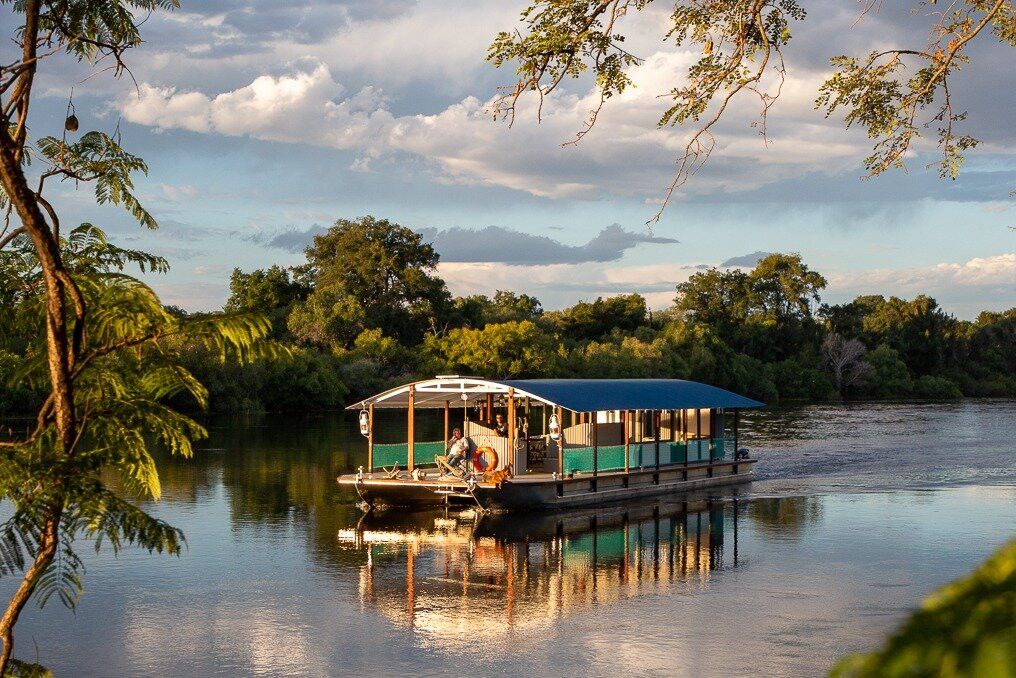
(512, 445)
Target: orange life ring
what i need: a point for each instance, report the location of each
(490, 453)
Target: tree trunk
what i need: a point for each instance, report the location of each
(49, 540)
(59, 358)
(60, 353)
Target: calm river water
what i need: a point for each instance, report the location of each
(857, 513)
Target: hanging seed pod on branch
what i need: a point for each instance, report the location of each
(71, 123)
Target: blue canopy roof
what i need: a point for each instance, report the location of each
(579, 395)
(589, 395)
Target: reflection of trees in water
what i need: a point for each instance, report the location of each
(448, 576)
(277, 471)
(786, 516)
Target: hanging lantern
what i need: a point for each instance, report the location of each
(555, 427)
(364, 422)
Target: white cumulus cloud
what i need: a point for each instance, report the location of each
(965, 288)
(625, 154)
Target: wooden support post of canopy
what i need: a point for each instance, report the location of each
(560, 441)
(627, 451)
(511, 430)
(656, 436)
(411, 434)
(596, 450)
(525, 425)
(687, 438)
(447, 414)
(370, 438)
(712, 427)
(698, 433)
(737, 417)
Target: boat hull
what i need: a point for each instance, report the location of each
(542, 491)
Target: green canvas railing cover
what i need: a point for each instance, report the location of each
(611, 458)
(643, 454)
(389, 454)
(424, 452)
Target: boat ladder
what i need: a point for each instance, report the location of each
(452, 491)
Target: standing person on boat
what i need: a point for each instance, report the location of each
(500, 426)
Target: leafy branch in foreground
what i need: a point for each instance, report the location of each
(875, 96)
(742, 43)
(128, 365)
(966, 628)
(100, 344)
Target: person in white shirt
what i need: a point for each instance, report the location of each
(457, 448)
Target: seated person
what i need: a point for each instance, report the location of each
(457, 448)
(500, 426)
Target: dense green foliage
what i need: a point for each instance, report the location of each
(130, 372)
(89, 352)
(763, 332)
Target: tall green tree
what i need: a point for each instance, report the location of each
(895, 93)
(507, 306)
(989, 364)
(924, 335)
(784, 288)
(500, 350)
(274, 291)
(129, 365)
(766, 313)
(370, 274)
(476, 310)
(623, 313)
(720, 299)
(99, 343)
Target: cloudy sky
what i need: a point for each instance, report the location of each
(263, 122)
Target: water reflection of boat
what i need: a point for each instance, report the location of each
(452, 577)
(599, 441)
